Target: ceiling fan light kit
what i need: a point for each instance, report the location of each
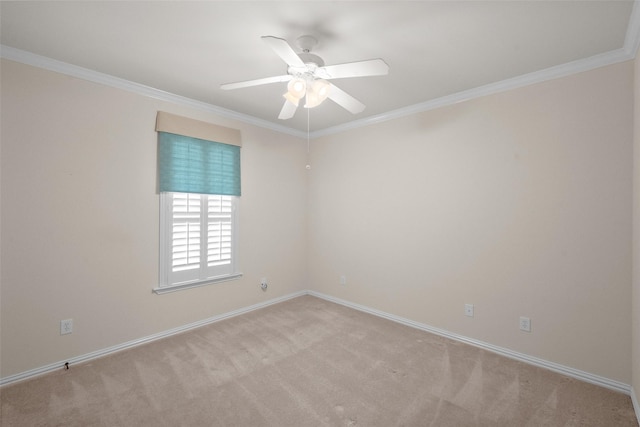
(307, 77)
(316, 93)
(297, 87)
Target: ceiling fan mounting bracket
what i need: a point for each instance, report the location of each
(312, 61)
(306, 43)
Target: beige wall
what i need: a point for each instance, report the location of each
(519, 203)
(80, 219)
(636, 233)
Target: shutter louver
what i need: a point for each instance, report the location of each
(186, 233)
(219, 231)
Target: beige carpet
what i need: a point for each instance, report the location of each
(309, 362)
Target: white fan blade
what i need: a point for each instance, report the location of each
(372, 67)
(284, 51)
(288, 110)
(345, 100)
(256, 82)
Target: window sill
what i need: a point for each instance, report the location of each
(183, 286)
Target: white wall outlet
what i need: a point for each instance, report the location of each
(343, 280)
(525, 324)
(263, 284)
(66, 326)
(468, 310)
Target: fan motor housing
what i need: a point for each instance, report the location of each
(310, 58)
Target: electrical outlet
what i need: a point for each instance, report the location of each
(525, 324)
(468, 310)
(66, 326)
(343, 280)
(263, 284)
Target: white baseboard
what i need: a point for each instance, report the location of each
(636, 406)
(565, 370)
(127, 345)
(571, 372)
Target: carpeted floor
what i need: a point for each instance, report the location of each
(309, 362)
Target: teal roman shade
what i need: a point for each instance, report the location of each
(189, 163)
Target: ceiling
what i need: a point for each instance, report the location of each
(436, 50)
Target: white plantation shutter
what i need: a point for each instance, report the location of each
(198, 238)
(219, 243)
(185, 253)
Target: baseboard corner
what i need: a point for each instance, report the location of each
(636, 405)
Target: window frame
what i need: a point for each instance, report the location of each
(166, 249)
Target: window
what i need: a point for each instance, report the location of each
(199, 185)
(197, 238)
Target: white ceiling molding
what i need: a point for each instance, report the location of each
(608, 58)
(627, 52)
(39, 61)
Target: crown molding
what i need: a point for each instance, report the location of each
(46, 63)
(627, 52)
(574, 67)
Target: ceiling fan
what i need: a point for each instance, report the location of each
(307, 77)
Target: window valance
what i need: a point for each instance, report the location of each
(171, 123)
(191, 164)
